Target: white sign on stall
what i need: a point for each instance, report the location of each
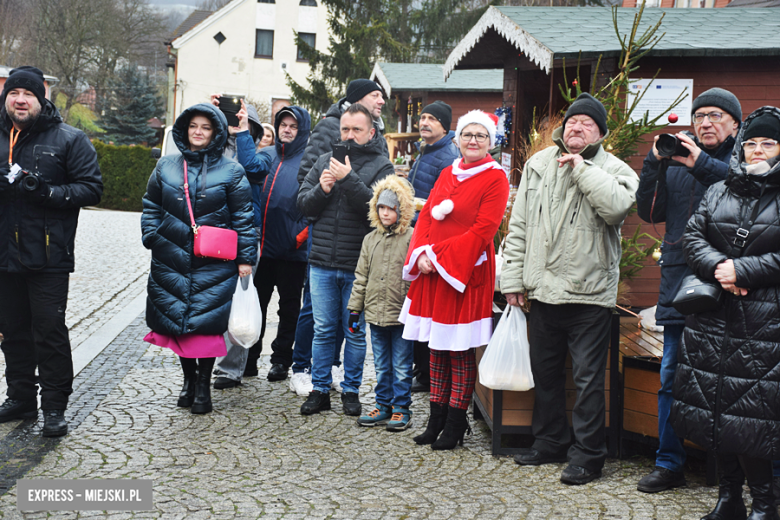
(659, 96)
(506, 163)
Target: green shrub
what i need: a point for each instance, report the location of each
(126, 170)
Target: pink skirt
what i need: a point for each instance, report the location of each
(190, 345)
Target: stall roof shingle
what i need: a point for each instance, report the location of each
(547, 33)
(429, 77)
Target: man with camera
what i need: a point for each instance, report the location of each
(282, 234)
(335, 195)
(51, 172)
(563, 249)
(675, 175)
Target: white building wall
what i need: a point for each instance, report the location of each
(205, 67)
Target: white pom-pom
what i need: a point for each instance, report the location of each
(444, 208)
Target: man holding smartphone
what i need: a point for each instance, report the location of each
(335, 196)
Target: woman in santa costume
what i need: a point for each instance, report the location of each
(452, 268)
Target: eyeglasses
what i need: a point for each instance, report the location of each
(714, 117)
(481, 138)
(750, 146)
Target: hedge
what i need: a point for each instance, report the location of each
(125, 170)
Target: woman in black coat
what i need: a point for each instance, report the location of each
(189, 297)
(727, 386)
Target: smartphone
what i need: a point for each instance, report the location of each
(340, 152)
(230, 105)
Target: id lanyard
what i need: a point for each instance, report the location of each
(12, 142)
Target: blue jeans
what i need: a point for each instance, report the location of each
(393, 361)
(304, 334)
(670, 454)
(330, 291)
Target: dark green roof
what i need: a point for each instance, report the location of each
(547, 33)
(430, 77)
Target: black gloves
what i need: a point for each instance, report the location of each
(354, 322)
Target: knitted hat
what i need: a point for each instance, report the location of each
(359, 88)
(25, 77)
(587, 105)
(721, 98)
(388, 198)
(765, 125)
(478, 117)
(441, 111)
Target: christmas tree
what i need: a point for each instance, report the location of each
(127, 105)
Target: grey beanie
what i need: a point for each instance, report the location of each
(388, 198)
(721, 98)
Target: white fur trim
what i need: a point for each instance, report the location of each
(440, 336)
(462, 175)
(444, 208)
(477, 117)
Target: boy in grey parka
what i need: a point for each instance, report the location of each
(379, 290)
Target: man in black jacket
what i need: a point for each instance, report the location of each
(670, 189)
(51, 172)
(326, 132)
(335, 195)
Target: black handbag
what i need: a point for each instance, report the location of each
(696, 295)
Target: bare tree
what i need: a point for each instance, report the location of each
(14, 16)
(83, 41)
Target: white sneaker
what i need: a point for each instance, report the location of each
(337, 373)
(300, 383)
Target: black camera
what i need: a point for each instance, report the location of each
(30, 181)
(669, 145)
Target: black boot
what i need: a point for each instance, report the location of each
(759, 477)
(730, 505)
(454, 430)
(435, 424)
(187, 394)
(202, 402)
(54, 423)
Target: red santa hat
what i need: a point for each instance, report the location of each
(489, 121)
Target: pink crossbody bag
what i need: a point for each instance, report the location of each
(210, 241)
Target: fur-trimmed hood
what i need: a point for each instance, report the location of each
(405, 193)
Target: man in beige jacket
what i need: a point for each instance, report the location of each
(563, 250)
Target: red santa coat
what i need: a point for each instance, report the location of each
(452, 308)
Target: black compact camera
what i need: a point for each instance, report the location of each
(30, 181)
(669, 145)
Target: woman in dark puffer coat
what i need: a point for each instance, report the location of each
(189, 297)
(727, 385)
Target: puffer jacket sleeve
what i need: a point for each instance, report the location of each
(699, 254)
(325, 133)
(358, 295)
(257, 165)
(514, 249)
(652, 185)
(358, 194)
(611, 194)
(85, 186)
(152, 213)
(312, 199)
(239, 200)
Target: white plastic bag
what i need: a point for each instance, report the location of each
(506, 364)
(246, 318)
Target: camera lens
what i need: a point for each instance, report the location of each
(666, 145)
(30, 182)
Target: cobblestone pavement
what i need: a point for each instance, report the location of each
(112, 267)
(255, 456)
